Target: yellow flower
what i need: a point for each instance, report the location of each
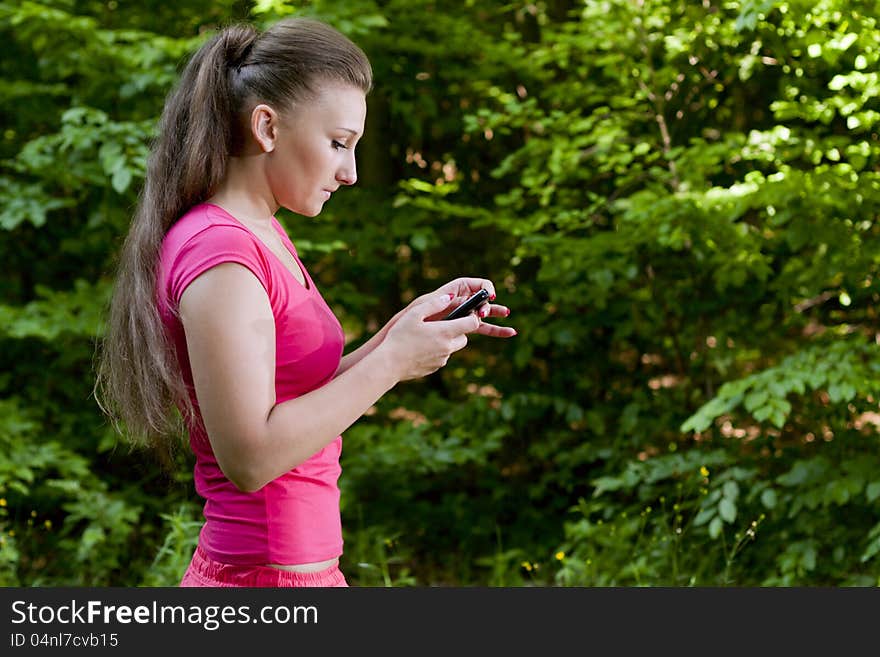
(704, 471)
(2, 501)
(560, 555)
(48, 524)
(526, 565)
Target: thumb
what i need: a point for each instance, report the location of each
(433, 305)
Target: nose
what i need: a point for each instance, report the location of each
(347, 173)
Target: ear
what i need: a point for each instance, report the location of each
(264, 127)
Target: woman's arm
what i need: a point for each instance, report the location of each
(230, 337)
(366, 348)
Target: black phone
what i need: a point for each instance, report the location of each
(473, 302)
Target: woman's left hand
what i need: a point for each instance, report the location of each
(461, 289)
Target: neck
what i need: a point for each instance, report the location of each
(244, 193)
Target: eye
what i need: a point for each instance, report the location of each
(337, 145)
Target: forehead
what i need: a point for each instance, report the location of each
(343, 105)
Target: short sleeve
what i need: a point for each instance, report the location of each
(210, 247)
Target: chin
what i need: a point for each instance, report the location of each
(307, 211)
(316, 209)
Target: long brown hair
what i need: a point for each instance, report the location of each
(138, 380)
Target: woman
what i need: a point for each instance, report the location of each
(214, 312)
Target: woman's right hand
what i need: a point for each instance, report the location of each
(417, 347)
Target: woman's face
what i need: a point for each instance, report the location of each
(314, 150)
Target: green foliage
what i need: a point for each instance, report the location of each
(845, 371)
(678, 201)
(689, 208)
(173, 556)
(53, 504)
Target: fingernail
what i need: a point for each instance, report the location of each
(507, 312)
(514, 332)
(492, 297)
(451, 297)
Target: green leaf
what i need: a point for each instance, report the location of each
(705, 515)
(731, 490)
(604, 484)
(727, 510)
(121, 179)
(756, 399)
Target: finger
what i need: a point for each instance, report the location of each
(466, 286)
(495, 310)
(433, 305)
(493, 331)
(459, 342)
(462, 325)
(454, 303)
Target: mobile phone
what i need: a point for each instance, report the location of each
(473, 302)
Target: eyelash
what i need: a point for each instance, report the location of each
(337, 145)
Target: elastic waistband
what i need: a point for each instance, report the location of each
(261, 576)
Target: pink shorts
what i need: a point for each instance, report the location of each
(204, 571)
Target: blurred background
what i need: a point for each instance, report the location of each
(678, 199)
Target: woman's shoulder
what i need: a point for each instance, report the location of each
(199, 219)
(206, 235)
(203, 237)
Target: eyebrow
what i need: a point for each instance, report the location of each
(354, 132)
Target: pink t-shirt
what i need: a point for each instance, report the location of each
(295, 518)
